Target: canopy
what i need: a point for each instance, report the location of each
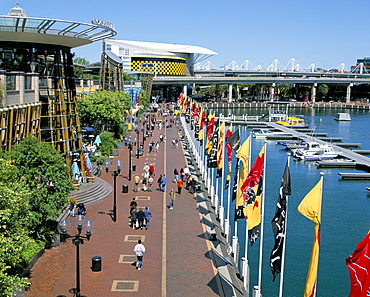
(75, 169)
(97, 141)
(88, 162)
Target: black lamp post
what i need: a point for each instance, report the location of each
(129, 161)
(114, 174)
(138, 143)
(143, 135)
(83, 226)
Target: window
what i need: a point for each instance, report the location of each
(10, 82)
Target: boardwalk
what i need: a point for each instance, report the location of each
(181, 260)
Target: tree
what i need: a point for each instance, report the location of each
(43, 172)
(104, 107)
(322, 90)
(79, 66)
(16, 243)
(286, 90)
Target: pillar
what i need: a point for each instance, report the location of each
(348, 94)
(272, 91)
(238, 92)
(313, 93)
(230, 94)
(185, 90)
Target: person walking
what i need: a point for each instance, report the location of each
(171, 196)
(133, 213)
(144, 182)
(148, 216)
(193, 185)
(151, 170)
(159, 181)
(139, 251)
(182, 174)
(179, 186)
(140, 218)
(72, 206)
(175, 174)
(164, 182)
(150, 183)
(136, 181)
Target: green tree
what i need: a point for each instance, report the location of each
(45, 175)
(286, 90)
(144, 102)
(108, 144)
(105, 108)
(79, 66)
(16, 244)
(322, 90)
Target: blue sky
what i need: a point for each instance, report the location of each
(326, 33)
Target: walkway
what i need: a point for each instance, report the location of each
(181, 260)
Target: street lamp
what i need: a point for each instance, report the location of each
(137, 139)
(129, 161)
(114, 174)
(85, 227)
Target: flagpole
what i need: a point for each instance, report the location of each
(222, 211)
(283, 251)
(262, 224)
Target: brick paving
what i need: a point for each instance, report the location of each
(177, 261)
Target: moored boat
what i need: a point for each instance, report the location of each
(343, 116)
(266, 133)
(292, 122)
(322, 152)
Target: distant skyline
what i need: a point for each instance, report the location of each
(325, 33)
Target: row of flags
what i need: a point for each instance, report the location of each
(248, 188)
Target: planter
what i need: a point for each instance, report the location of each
(77, 186)
(90, 179)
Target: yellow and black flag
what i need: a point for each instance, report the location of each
(220, 150)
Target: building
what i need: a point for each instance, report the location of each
(37, 84)
(362, 66)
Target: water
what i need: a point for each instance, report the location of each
(345, 209)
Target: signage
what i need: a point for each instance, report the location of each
(102, 23)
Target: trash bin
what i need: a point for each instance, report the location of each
(133, 167)
(125, 189)
(96, 263)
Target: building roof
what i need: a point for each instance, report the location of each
(168, 47)
(18, 27)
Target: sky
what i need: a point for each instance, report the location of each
(326, 33)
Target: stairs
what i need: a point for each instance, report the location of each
(88, 194)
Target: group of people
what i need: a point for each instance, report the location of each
(184, 176)
(139, 217)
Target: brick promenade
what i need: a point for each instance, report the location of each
(177, 261)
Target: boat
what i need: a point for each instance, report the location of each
(292, 122)
(343, 116)
(318, 153)
(292, 144)
(266, 133)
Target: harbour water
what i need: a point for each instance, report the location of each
(345, 208)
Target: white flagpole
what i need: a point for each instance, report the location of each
(262, 222)
(222, 215)
(283, 251)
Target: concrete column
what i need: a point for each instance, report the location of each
(348, 94)
(185, 90)
(272, 91)
(230, 95)
(237, 92)
(313, 93)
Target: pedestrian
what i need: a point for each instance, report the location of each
(151, 170)
(139, 251)
(160, 138)
(182, 174)
(164, 182)
(144, 182)
(173, 143)
(156, 147)
(150, 183)
(188, 181)
(176, 142)
(148, 216)
(186, 171)
(133, 213)
(133, 204)
(193, 185)
(159, 181)
(175, 174)
(136, 181)
(171, 196)
(140, 218)
(146, 167)
(72, 206)
(179, 186)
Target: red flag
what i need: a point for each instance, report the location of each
(358, 265)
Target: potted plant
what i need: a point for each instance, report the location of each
(89, 176)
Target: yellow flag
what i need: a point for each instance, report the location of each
(220, 146)
(244, 155)
(310, 207)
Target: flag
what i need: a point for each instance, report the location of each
(278, 223)
(310, 207)
(229, 132)
(212, 157)
(210, 128)
(234, 142)
(220, 150)
(251, 190)
(358, 264)
(202, 120)
(243, 155)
